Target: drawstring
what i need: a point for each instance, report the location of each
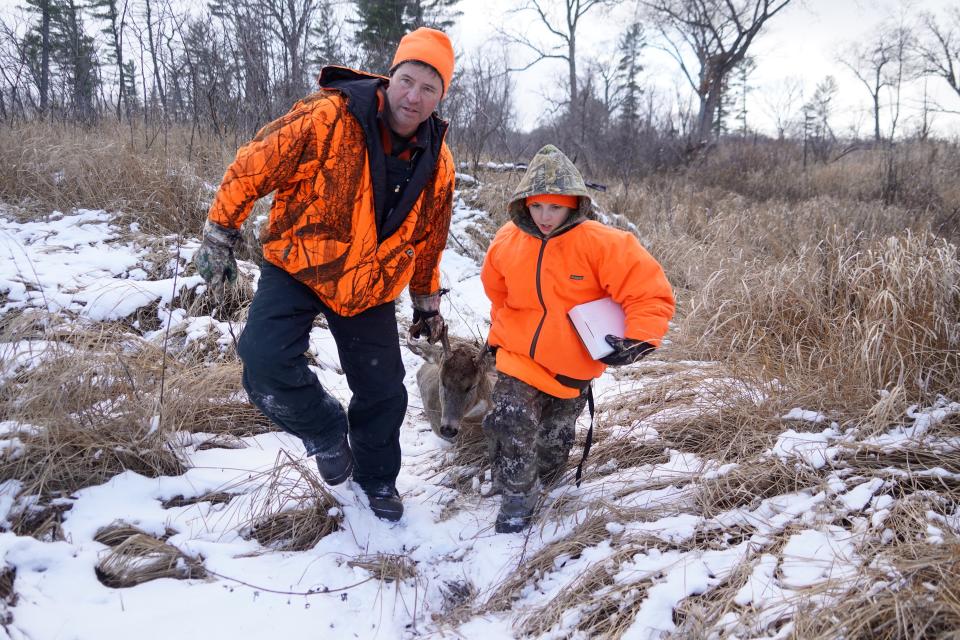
(586, 446)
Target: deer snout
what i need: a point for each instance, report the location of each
(449, 430)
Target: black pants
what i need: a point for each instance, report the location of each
(279, 382)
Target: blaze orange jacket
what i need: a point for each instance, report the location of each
(532, 283)
(327, 225)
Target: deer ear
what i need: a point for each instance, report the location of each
(429, 352)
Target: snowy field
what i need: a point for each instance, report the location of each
(636, 551)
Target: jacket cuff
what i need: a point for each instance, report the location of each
(221, 235)
(428, 303)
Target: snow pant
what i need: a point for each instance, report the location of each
(280, 383)
(530, 433)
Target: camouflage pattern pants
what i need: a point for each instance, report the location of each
(530, 434)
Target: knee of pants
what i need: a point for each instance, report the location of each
(263, 363)
(513, 432)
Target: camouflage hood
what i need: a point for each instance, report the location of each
(549, 172)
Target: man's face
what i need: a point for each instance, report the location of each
(412, 95)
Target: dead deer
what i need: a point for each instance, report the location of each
(455, 385)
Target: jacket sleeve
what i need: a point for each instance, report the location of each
(494, 283)
(637, 282)
(262, 165)
(438, 209)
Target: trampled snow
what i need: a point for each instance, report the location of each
(82, 266)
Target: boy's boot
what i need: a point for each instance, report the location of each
(384, 500)
(335, 464)
(516, 512)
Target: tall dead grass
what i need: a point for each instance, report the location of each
(858, 316)
(51, 166)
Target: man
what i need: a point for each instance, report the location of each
(364, 193)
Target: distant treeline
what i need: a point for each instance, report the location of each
(227, 68)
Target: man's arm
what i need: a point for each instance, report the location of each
(263, 165)
(438, 210)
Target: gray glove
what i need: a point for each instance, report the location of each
(214, 259)
(427, 320)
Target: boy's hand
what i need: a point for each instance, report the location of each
(625, 351)
(214, 259)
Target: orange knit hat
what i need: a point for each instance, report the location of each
(570, 202)
(428, 46)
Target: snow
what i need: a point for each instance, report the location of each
(81, 266)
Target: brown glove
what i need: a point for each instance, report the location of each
(427, 320)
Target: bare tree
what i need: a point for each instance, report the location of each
(881, 64)
(289, 21)
(481, 104)
(718, 33)
(114, 16)
(939, 48)
(781, 102)
(563, 31)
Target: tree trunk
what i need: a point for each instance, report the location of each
(708, 108)
(44, 55)
(157, 83)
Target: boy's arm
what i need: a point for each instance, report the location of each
(637, 282)
(494, 283)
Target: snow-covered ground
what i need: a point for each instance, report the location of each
(80, 265)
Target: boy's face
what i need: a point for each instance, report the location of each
(548, 216)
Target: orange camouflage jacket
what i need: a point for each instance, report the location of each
(327, 225)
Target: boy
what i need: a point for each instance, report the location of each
(549, 258)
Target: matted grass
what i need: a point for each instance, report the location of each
(141, 558)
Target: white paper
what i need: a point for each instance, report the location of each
(594, 321)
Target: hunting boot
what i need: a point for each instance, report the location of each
(516, 512)
(384, 500)
(336, 464)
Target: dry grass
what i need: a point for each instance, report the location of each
(386, 567)
(589, 533)
(854, 316)
(209, 398)
(45, 167)
(87, 413)
(909, 587)
(751, 482)
(139, 558)
(297, 510)
(604, 607)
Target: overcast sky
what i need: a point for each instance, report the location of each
(802, 42)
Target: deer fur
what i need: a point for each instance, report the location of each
(455, 384)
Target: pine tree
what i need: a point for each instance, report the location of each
(630, 46)
(380, 25)
(61, 51)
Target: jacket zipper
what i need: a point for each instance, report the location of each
(543, 318)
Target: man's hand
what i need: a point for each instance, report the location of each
(214, 259)
(427, 320)
(625, 351)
